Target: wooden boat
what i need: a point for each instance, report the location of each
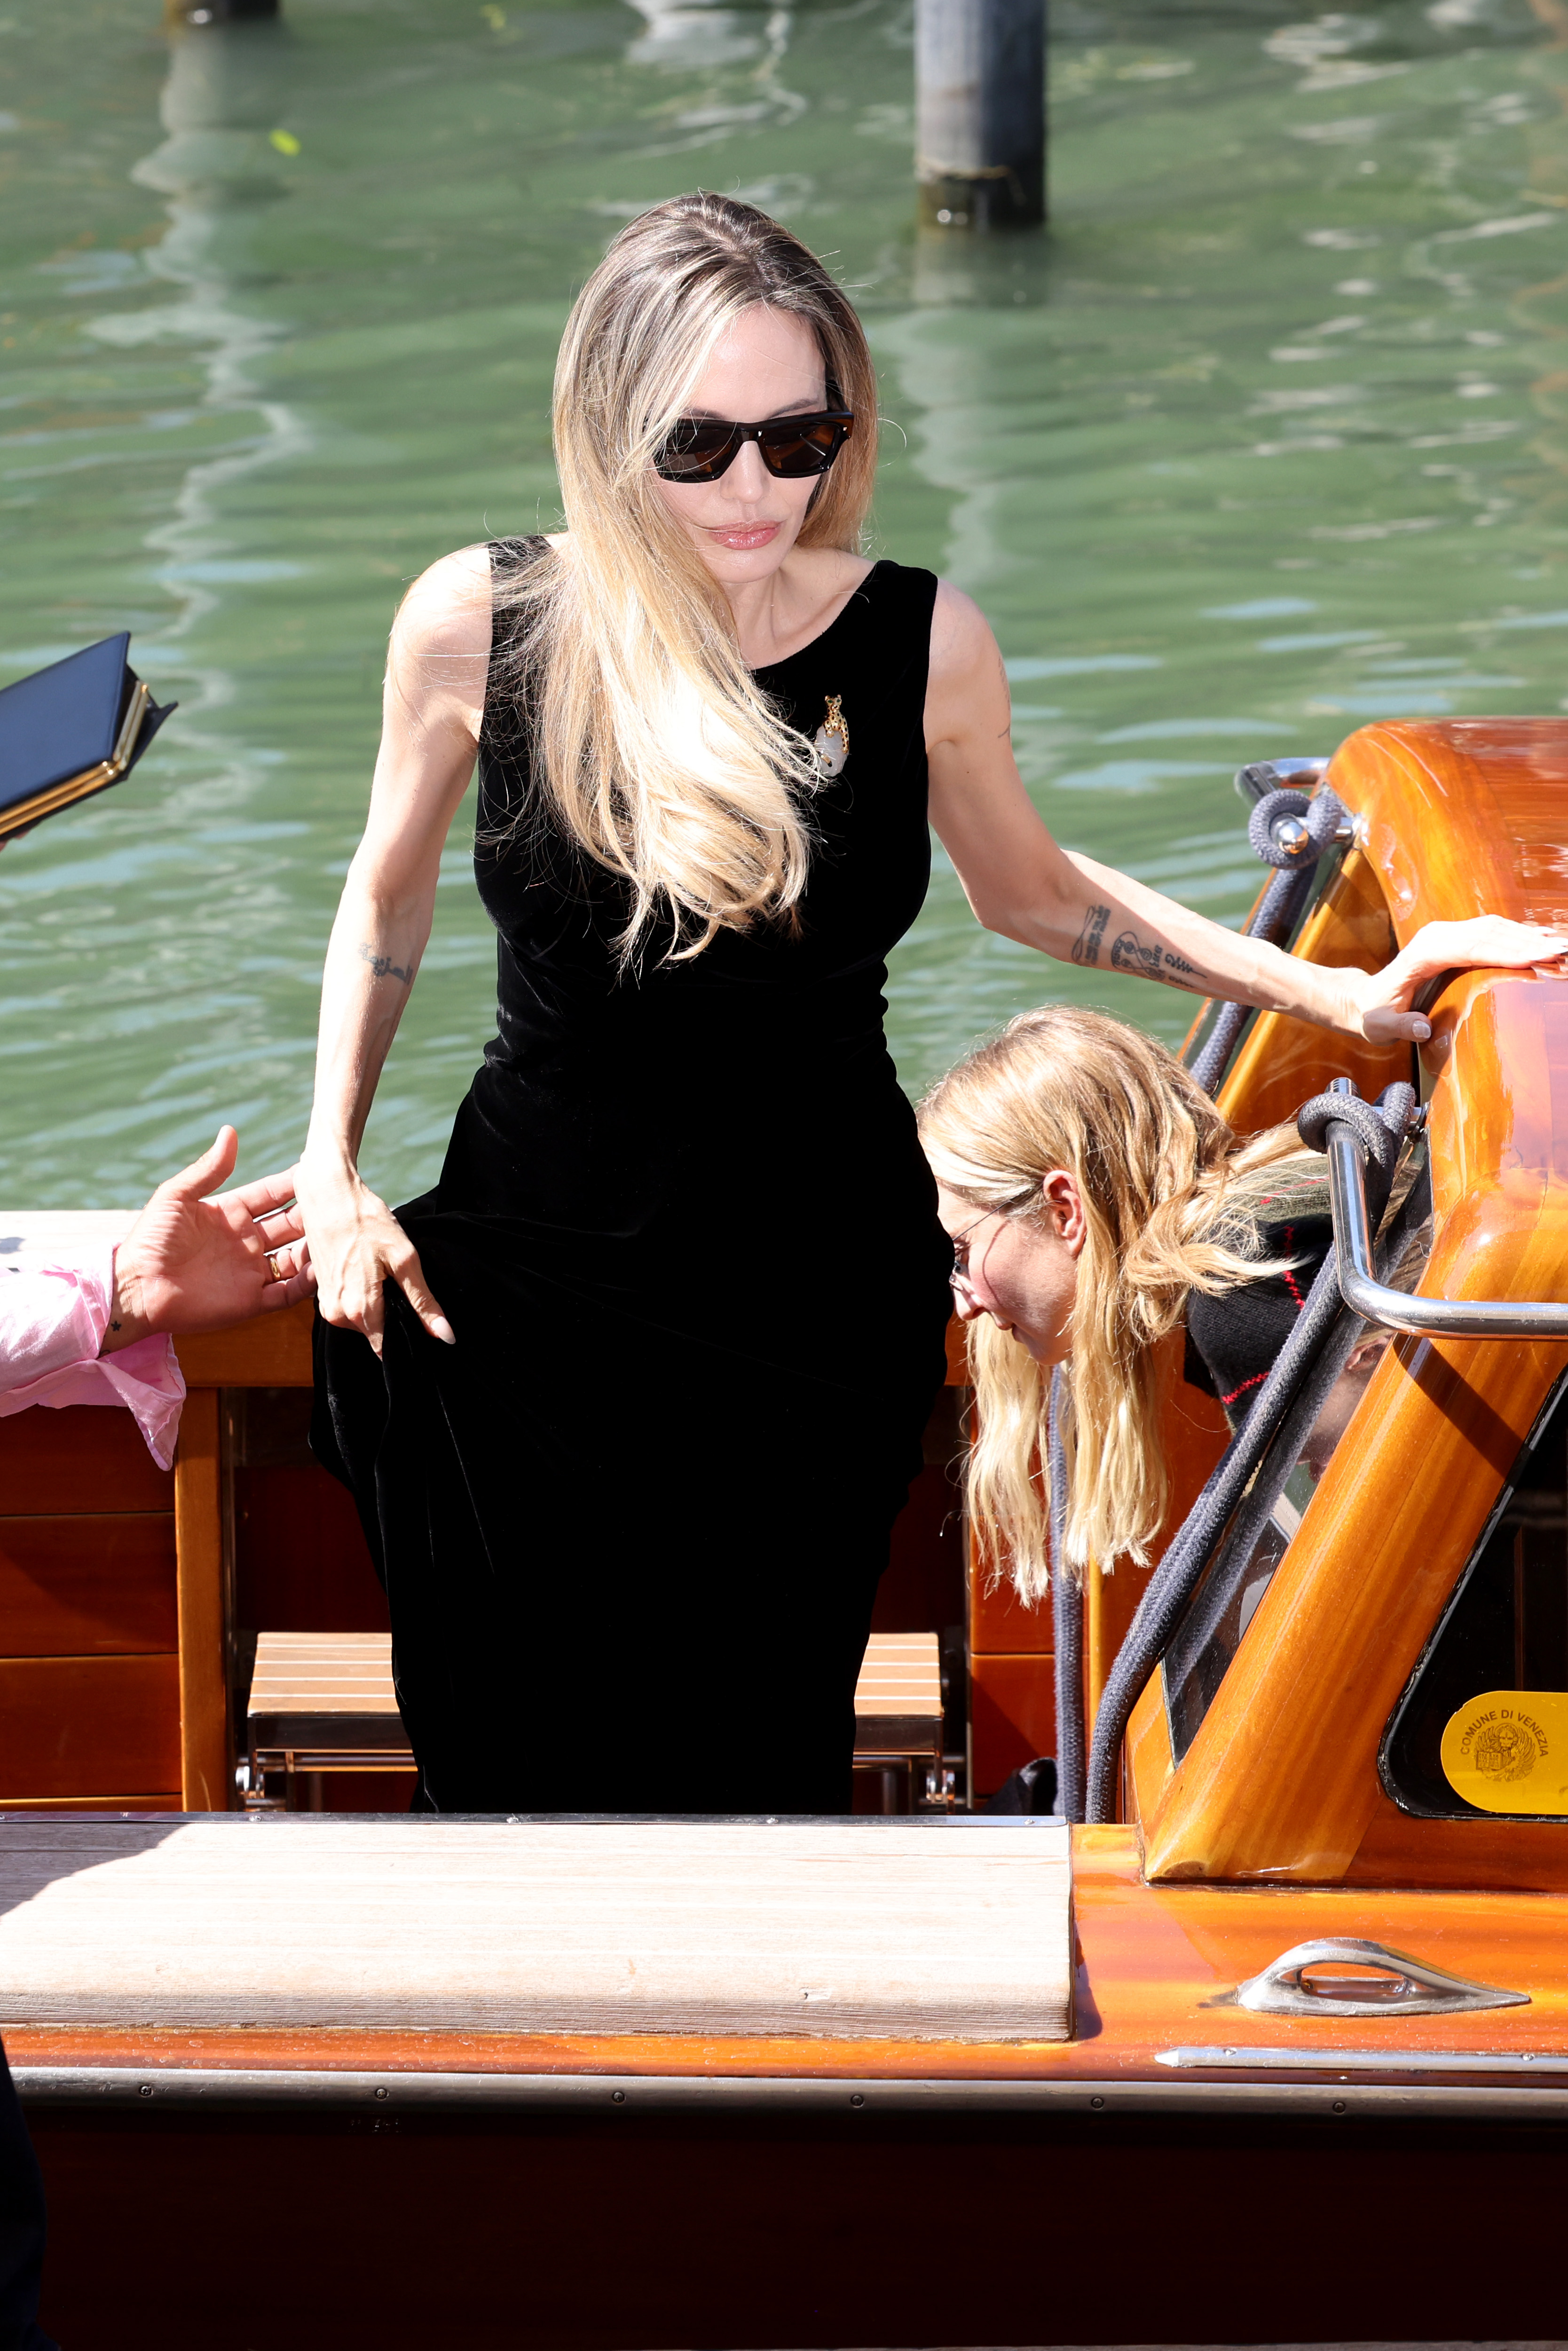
(1216, 2068)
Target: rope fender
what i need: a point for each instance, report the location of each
(1321, 814)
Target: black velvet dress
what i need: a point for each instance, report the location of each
(631, 1526)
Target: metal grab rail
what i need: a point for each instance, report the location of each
(1397, 1310)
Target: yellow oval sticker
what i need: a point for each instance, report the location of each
(1507, 1751)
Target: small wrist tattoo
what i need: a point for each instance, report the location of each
(382, 967)
(1150, 960)
(1086, 945)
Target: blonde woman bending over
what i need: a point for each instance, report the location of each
(628, 1475)
(1096, 1201)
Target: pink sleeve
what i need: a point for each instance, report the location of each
(52, 1321)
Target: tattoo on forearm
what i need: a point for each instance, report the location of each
(1086, 945)
(382, 967)
(1128, 953)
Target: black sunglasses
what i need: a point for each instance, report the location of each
(701, 448)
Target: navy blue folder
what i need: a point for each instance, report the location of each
(70, 730)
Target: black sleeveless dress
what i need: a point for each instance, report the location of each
(631, 1526)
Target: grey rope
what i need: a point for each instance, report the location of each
(1282, 903)
(1345, 1335)
(1176, 1579)
(1067, 1619)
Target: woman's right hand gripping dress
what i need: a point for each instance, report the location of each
(433, 704)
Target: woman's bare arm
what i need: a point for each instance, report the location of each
(1022, 884)
(434, 700)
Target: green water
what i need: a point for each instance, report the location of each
(1265, 440)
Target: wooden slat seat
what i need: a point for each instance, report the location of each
(937, 1928)
(325, 1702)
(898, 1698)
(322, 1702)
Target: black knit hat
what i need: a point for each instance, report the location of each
(1233, 1336)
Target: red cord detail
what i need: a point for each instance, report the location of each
(1256, 1381)
(1291, 1282)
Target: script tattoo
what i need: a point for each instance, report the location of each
(382, 967)
(1128, 953)
(1086, 945)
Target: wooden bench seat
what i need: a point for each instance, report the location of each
(323, 1702)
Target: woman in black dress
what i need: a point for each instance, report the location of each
(631, 1400)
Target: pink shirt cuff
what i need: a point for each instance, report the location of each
(52, 1321)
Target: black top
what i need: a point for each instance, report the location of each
(688, 1241)
(606, 1092)
(1234, 1335)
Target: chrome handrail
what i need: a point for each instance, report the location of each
(1397, 1310)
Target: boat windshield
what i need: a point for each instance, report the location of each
(1226, 1601)
(1505, 1629)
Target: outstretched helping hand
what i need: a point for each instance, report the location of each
(191, 1262)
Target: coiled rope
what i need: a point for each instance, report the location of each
(1317, 821)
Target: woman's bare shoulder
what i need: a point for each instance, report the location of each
(962, 643)
(447, 608)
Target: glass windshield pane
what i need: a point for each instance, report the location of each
(1506, 1627)
(1236, 1579)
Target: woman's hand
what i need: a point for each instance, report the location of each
(1380, 1004)
(193, 1263)
(357, 1244)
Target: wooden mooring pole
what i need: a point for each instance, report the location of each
(178, 14)
(980, 138)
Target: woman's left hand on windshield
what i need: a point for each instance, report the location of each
(1381, 1005)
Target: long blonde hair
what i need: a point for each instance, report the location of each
(662, 759)
(1165, 1191)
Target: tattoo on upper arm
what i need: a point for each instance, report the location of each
(382, 967)
(1129, 953)
(1086, 945)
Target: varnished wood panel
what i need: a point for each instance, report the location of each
(1283, 1062)
(271, 1352)
(79, 1726)
(137, 1801)
(301, 1563)
(1000, 1624)
(1281, 1780)
(922, 1589)
(1012, 1716)
(82, 1459)
(1515, 1856)
(205, 1769)
(1462, 816)
(85, 1585)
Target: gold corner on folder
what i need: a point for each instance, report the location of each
(91, 779)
